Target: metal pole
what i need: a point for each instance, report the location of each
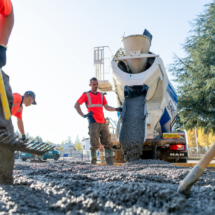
(197, 142)
(103, 63)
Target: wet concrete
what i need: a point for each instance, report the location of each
(139, 187)
(133, 127)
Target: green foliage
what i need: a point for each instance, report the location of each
(77, 139)
(68, 141)
(49, 142)
(195, 74)
(61, 148)
(18, 134)
(38, 138)
(78, 146)
(28, 136)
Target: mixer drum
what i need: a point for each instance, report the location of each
(134, 45)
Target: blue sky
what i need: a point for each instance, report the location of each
(51, 51)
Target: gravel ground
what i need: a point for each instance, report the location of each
(139, 187)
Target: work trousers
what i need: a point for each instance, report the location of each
(6, 156)
(99, 130)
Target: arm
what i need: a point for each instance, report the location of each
(6, 25)
(78, 108)
(21, 126)
(109, 108)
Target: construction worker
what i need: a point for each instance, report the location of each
(98, 128)
(6, 156)
(28, 99)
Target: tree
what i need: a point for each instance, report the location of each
(195, 74)
(191, 138)
(77, 139)
(78, 146)
(38, 138)
(69, 141)
(28, 136)
(61, 148)
(211, 138)
(203, 139)
(18, 133)
(51, 143)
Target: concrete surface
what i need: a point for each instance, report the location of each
(139, 187)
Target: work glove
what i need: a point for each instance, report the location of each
(119, 109)
(88, 115)
(23, 137)
(2, 56)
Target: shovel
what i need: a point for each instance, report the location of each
(197, 171)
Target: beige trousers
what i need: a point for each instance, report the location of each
(99, 130)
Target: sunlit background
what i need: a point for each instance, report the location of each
(51, 52)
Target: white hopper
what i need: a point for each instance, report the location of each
(134, 45)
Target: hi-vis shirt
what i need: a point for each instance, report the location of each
(5, 7)
(17, 105)
(94, 103)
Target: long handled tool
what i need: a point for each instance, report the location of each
(4, 100)
(197, 171)
(40, 160)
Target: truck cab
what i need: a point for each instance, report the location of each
(52, 154)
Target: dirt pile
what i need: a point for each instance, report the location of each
(139, 187)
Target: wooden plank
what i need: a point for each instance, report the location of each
(177, 164)
(116, 164)
(191, 164)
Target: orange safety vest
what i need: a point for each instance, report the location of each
(90, 102)
(95, 104)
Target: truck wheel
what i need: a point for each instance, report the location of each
(56, 157)
(24, 159)
(44, 159)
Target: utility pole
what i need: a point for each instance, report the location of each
(197, 142)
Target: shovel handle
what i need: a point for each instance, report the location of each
(4, 100)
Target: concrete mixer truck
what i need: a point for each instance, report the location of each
(146, 126)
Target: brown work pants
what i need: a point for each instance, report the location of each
(6, 156)
(99, 130)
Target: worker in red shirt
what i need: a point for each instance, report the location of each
(6, 156)
(98, 128)
(6, 25)
(28, 99)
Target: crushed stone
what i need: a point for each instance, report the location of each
(138, 187)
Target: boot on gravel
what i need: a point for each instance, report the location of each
(93, 157)
(109, 156)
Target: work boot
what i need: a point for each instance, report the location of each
(93, 157)
(109, 156)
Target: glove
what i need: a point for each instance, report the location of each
(2, 56)
(119, 109)
(88, 115)
(23, 137)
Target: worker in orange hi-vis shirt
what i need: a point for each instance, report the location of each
(28, 99)
(6, 156)
(95, 101)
